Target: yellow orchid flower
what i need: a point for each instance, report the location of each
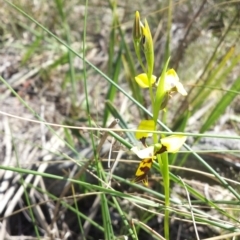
(143, 82)
(170, 144)
(172, 83)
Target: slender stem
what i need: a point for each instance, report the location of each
(166, 181)
(164, 168)
(155, 139)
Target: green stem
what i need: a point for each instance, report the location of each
(164, 168)
(155, 140)
(166, 182)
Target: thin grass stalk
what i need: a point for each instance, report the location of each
(221, 106)
(112, 39)
(31, 49)
(60, 8)
(208, 66)
(134, 230)
(130, 63)
(206, 218)
(202, 198)
(108, 231)
(115, 113)
(101, 189)
(122, 195)
(30, 209)
(132, 233)
(26, 194)
(78, 217)
(109, 234)
(106, 214)
(198, 100)
(85, 80)
(217, 111)
(34, 113)
(69, 206)
(112, 90)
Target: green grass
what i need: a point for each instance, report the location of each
(90, 75)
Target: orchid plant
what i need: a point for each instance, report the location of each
(161, 91)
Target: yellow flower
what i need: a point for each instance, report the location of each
(172, 143)
(172, 83)
(142, 80)
(145, 125)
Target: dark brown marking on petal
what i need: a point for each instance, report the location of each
(161, 150)
(143, 141)
(140, 178)
(144, 169)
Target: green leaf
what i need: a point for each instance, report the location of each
(160, 94)
(112, 90)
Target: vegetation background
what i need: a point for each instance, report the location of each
(67, 69)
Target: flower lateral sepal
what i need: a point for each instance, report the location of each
(143, 81)
(144, 153)
(173, 143)
(172, 83)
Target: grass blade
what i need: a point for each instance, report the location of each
(222, 105)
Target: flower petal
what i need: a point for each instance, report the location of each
(171, 79)
(172, 83)
(141, 174)
(173, 143)
(145, 125)
(142, 80)
(181, 89)
(143, 153)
